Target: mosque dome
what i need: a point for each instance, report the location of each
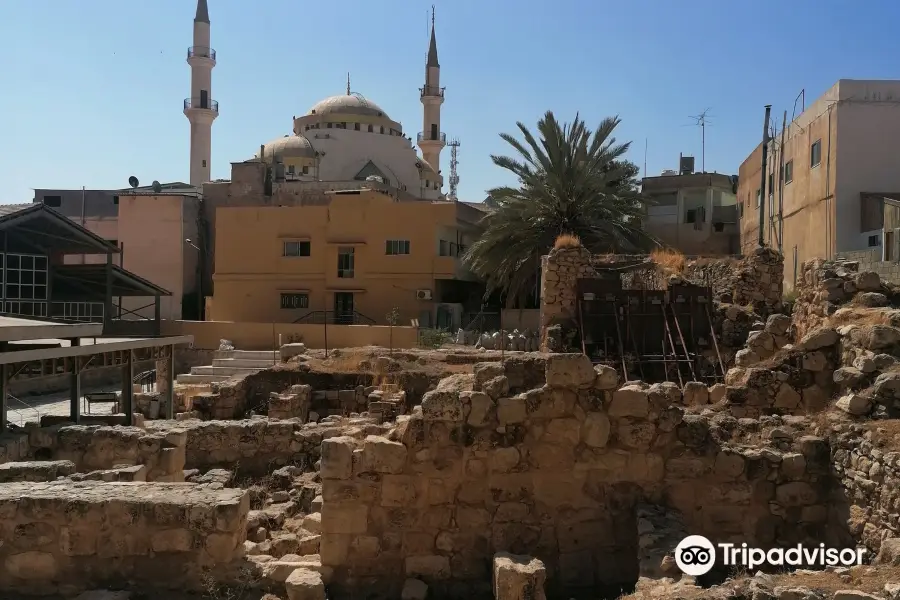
(290, 146)
(348, 104)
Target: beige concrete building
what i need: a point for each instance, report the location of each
(839, 151)
(695, 213)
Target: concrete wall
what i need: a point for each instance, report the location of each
(264, 336)
(870, 260)
(251, 272)
(520, 318)
(96, 203)
(153, 230)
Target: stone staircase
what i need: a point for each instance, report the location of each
(227, 364)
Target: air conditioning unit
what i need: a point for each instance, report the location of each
(423, 294)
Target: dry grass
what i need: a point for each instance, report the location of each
(343, 363)
(885, 433)
(669, 260)
(852, 315)
(567, 240)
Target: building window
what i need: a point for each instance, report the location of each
(356, 126)
(306, 169)
(26, 277)
(741, 210)
(54, 201)
(204, 164)
(293, 249)
(396, 247)
(873, 240)
(382, 129)
(290, 170)
(115, 199)
(789, 171)
(329, 125)
(815, 154)
(371, 129)
(758, 198)
(888, 245)
(771, 183)
(346, 263)
(292, 300)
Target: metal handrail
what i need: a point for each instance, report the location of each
(212, 105)
(201, 52)
(425, 136)
(431, 90)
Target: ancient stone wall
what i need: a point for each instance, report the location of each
(556, 472)
(94, 448)
(65, 536)
(258, 446)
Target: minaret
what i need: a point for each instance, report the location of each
(431, 139)
(200, 109)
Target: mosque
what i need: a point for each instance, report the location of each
(342, 138)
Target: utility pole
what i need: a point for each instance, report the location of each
(781, 187)
(762, 170)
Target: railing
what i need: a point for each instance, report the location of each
(212, 105)
(330, 317)
(453, 249)
(431, 90)
(427, 137)
(201, 52)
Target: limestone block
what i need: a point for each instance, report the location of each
(823, 337)
(381, 455)
(607, 378)
(854, 404)
(344, 518)
(480, 409)
(795, 493)
(428, 565)
(337, 457)
(867, 281)
(305, 584)
(717, 393)
(570, 370)
(442, 406)
(696, 393)
(629, 401)
(517, 577)
(595, 430)
(787, 397)
(414, 589)
(511, 410)
(497, 387)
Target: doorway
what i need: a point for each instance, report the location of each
(343, 308)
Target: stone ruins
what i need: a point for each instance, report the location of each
(514, 475)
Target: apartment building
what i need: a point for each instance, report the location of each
(826, 178)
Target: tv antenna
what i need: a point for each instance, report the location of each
(701, 121)
(454, 163)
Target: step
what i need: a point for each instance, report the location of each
(243, 363)
(269, 355)
(187, 378)
(227, 371)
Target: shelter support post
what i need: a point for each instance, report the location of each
(4, 390)
(75, 386)
(107, 297)
(170, 387)
(128, 388)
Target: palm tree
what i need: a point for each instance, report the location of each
(571, 181)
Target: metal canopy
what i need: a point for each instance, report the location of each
(87, 282)
(36, 228)
(19, 329)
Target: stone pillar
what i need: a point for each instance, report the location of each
(560, 270)
(162, 376)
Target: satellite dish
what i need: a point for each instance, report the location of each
(157, 187)
(133, 181)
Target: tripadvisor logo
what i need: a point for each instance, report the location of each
(695, 555)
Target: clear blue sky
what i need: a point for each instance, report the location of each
(91, 92)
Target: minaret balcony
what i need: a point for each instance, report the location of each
(427, 136)
(431, 91)
(201, 104)
(201, 52)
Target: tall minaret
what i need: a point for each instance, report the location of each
(432, 140)
(200, 109)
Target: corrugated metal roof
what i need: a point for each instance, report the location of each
(11, 209)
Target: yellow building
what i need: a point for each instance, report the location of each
(352, 261)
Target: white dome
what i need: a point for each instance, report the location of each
(347, 104)
(290, 146)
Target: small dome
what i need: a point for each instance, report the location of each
(289, 146)
(347, 104)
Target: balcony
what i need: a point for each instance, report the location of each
(201, 52)
(428, 90)
(201, 103)
(428, 137)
